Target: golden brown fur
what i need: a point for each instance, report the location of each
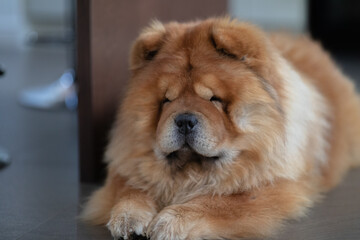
(276, 125)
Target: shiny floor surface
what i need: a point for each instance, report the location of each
(40, 196)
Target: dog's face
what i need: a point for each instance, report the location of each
(206, 87)
(205, 99)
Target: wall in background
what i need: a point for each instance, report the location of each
(12, 23)
(21, 19)
(290, 15)
(49, 17)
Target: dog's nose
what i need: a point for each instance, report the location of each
(186, 122)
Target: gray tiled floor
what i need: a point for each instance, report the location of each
(39, 192)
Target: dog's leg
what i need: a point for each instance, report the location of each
(126, 210)
(254, 214)
(131, 214)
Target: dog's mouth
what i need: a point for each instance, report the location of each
(187, 154)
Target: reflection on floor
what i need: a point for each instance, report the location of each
(39, 192)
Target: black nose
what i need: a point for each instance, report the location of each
(186, 123)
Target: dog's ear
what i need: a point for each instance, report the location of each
(247, 43)
(241, 41)
(147, 45)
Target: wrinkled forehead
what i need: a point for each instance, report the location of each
(197, 38)
(241, 38)
(188, 36)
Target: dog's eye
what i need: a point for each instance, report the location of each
(149, 55)
(215, 99)
(166, 100)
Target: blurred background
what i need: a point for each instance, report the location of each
(63, 68)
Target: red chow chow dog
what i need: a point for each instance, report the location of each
(224, 133)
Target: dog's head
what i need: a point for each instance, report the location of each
(209, 98)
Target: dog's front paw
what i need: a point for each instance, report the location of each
(175, 222)
(130, 217)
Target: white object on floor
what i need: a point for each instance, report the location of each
(56, 94)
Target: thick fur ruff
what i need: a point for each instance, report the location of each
(276, 122)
